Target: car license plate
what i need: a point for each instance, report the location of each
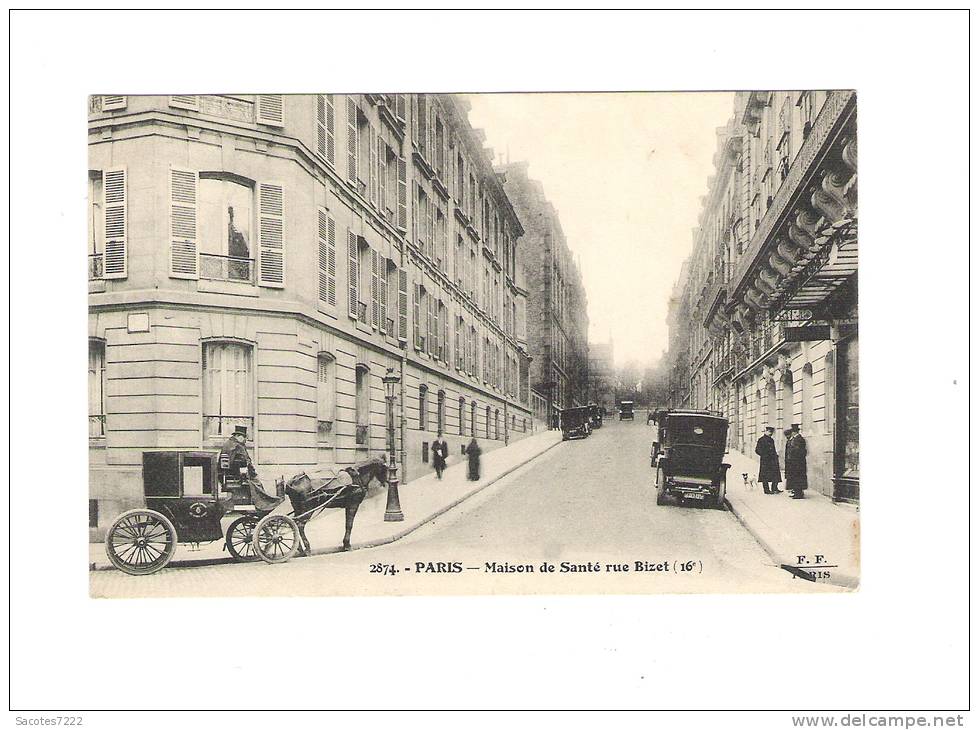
(695, 496)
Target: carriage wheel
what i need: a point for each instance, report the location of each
(276, 538)
(239, 539)
(140, 542)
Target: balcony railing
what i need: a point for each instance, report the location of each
(96, 269)
(96, 426)
(223, 426)
(227, 268)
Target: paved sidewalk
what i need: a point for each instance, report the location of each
(787, 528)
(422, 500)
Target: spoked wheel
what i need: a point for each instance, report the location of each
(140, 542)
(239, 539)
(276, 538)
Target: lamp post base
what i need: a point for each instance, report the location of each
(393, 511)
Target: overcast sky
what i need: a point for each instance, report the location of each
(626, 173)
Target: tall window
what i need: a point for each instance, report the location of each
(496, 424)
(325, 397)
(96, 225)
(487, 422)
(462, 416)
(423, 407)
(363, 406)
(472, 419)
(96, 388)
(225, 227)
(807, 404)
(228, 389)
(441, 411)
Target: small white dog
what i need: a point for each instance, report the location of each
(749, 483)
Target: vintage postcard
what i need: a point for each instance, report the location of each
(437, 344)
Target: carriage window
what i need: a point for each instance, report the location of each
(228, 389)
(96, 388)
(325, 397)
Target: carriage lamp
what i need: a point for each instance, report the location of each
(393, 511)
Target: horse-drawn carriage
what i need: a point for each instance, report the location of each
(189, 493)
(689, 464)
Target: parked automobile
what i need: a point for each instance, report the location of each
(690, 464)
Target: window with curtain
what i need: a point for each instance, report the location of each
(325, 397)
(96, 388)
(228, 389)
(225, 220)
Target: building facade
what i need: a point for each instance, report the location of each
(263, 260)
(601, 375)
(556, 304)
(763, 318)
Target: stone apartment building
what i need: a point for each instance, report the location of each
(601, 375)
(556, 303)
(262, 260)
(763, 318)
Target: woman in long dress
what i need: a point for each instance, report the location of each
(472, 452)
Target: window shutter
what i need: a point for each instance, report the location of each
(416, 316)
(271, 235)
(402, 195)
(400, 106)
(383, 297)
(321, 125)
(402, 305)
(352, 274)
(430, 211)
(351, 140)
(444, 354)
(430, 329)
(190, 102)
(372, 166)
(116, 225)
(331, 131)
(271, 110)
(375, 294)
(109, 103)
(382, 158)
(183, 223)
(327, 258)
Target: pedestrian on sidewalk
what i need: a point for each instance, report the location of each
(768, 471)
(473, 451)
(440, 452)
(796, 479)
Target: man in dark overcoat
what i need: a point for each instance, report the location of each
(440, 452)
(796, 479)
(768, 471)
(239, 462)
(472, 452)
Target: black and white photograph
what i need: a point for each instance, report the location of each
(489, 360)
(342, 328)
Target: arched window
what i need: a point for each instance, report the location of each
(96, 388)
(326, 393)
(496, 424)
(228, 386)
(363, 375)
(441, 412)
(462, 416)
(472, 419)
(423, 407)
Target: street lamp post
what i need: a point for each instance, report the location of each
(393, 512)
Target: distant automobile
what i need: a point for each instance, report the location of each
(626, 410)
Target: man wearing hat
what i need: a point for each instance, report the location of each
(768, 471)
(796, 469)
(235, 455)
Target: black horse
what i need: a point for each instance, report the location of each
(310, 496)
